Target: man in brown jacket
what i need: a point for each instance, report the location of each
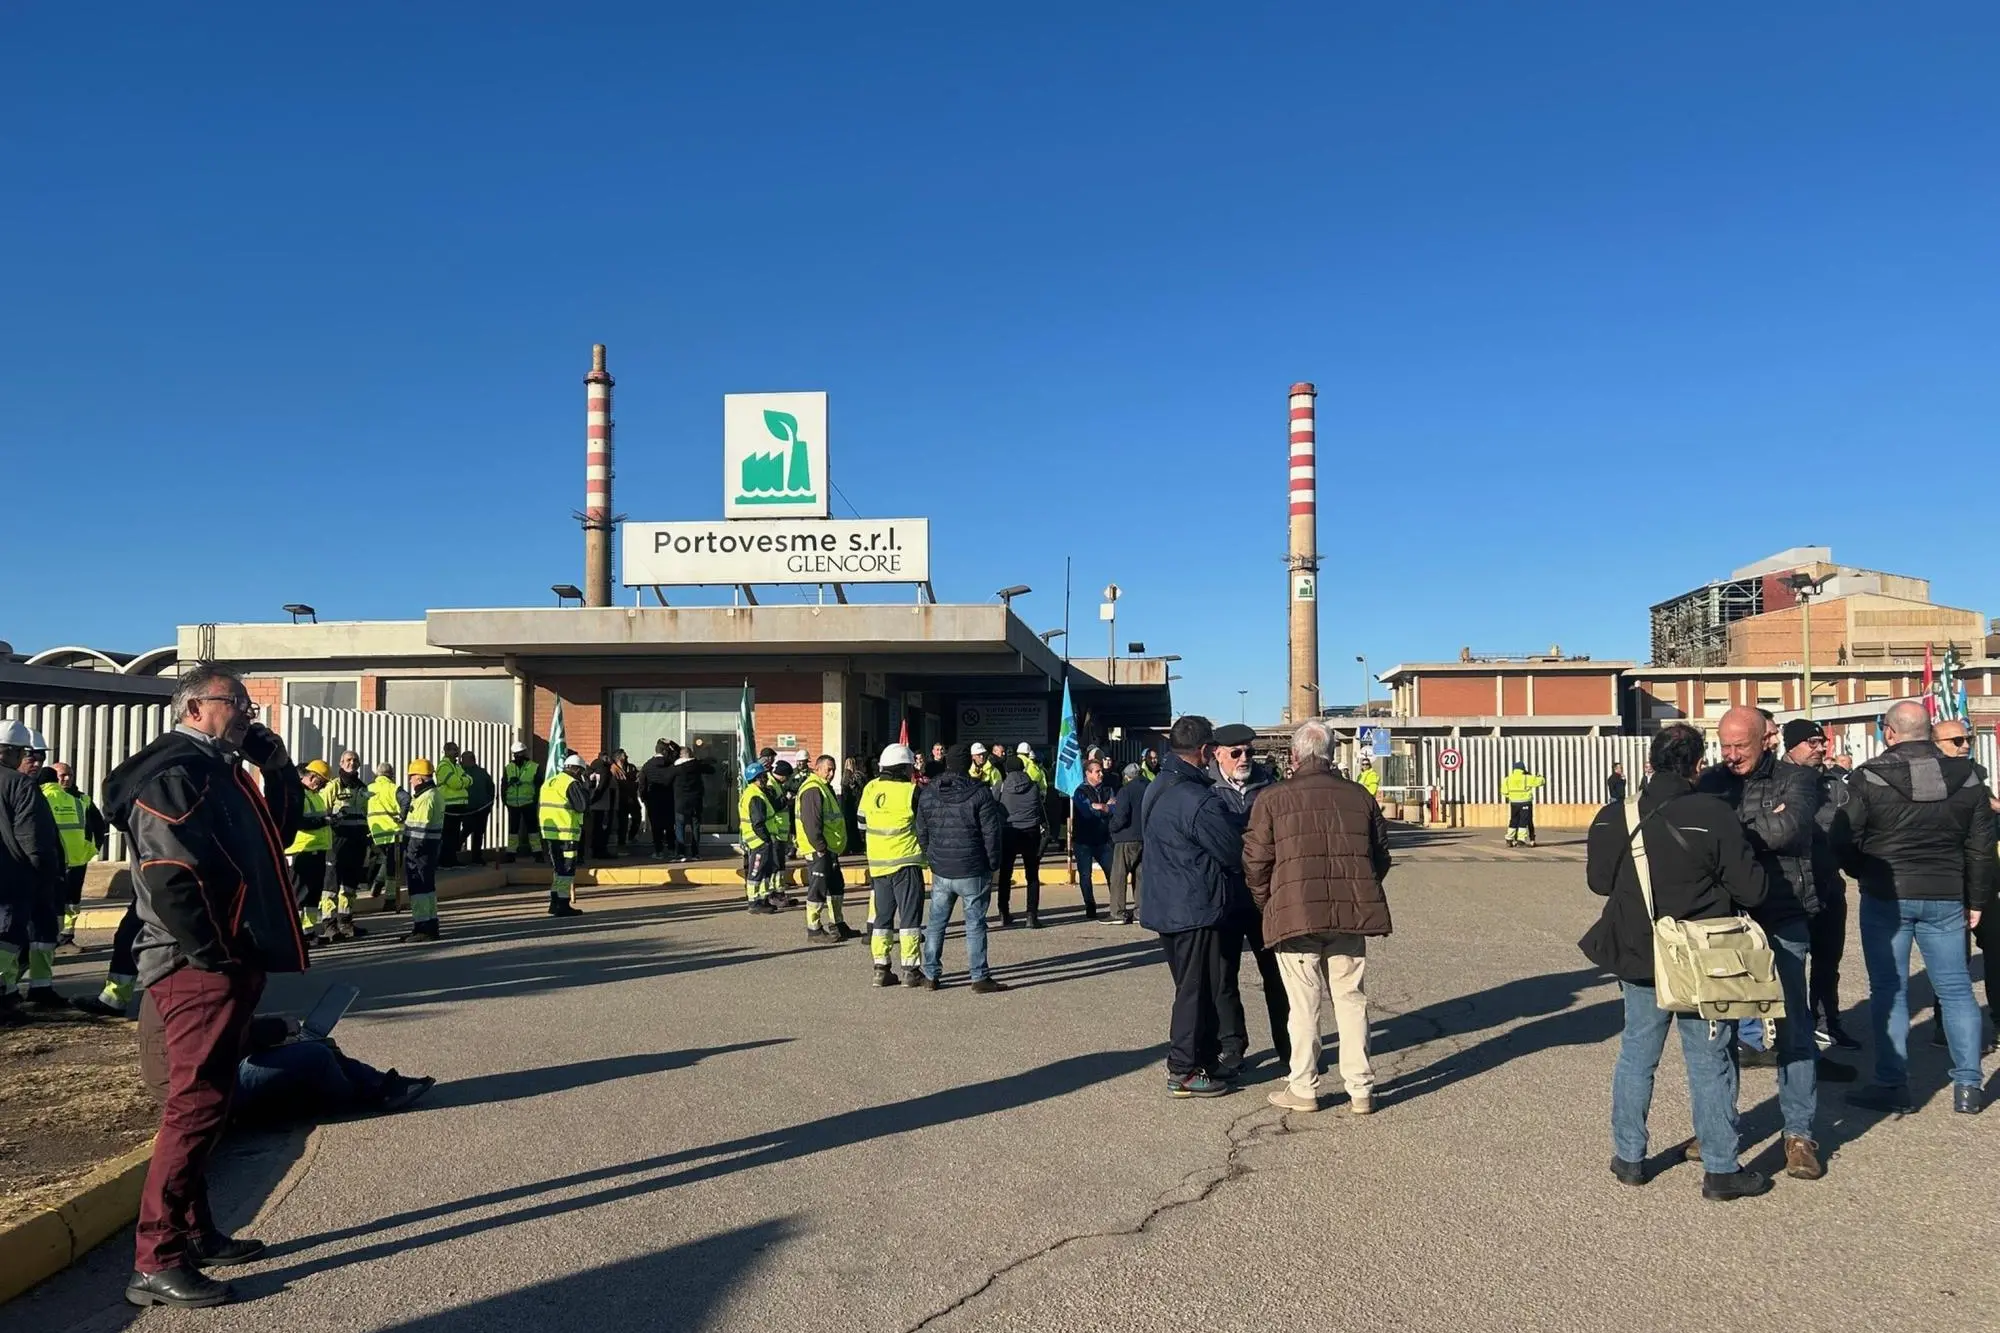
(1315, 854)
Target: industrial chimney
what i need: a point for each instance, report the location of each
(597, 482)
(1302, 562)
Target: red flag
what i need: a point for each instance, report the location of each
(903, 736)
(1930, 697)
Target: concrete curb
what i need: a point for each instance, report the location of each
(43, 1244)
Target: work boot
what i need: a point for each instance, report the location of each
(988, 986)
(1034, 921)
(222, 1251)
(563, 907)
(1228, 1064)
(1802, 1158)
(424, 930)
(844, 931)
(924, 982)
(186, 1288)
(46, 997)
(762, 907)
(884, 977)
(1966, 1099)
(1628, 1173)
(781, 901)
(1736, 1185)
(92, 1004)
(1890, 1101)
(914, 978)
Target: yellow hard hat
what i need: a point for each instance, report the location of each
(420, 768)
(319, 766)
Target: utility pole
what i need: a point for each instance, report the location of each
(1108, 613)
(1242, 705)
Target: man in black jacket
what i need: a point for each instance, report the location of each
(1918, 835)
(1805, 746)
(960, 827)
(602, 784)
(214, 900)
(1126, 846)
(656, 793)
(31, 880)
(1701, 868)
(1238, 779)
(1777, 803)
(689, 768)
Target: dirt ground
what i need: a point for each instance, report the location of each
(70, 1098)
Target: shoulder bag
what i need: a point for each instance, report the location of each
(1720, 968)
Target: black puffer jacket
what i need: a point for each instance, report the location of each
(1825, 858)
(687, 784)
(1022, 800)
(958, 826)
(1918, 825)
(1707, 871)
(1778, 806)
(31, 850)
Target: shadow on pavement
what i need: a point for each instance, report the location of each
(680, 1289)
(519, 1083)
(830, 1133)
(1082, 965)
(1549, 1004)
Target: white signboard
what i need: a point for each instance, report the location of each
(806, 550)
(774, 455)
(1009, 721)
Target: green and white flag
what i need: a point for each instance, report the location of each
(746, 733)
(557, 750)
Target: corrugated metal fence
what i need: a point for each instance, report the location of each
(1573, 768)
(93, 739)
(396, 738)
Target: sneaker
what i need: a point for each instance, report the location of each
(914, 978)
(884, 977)
(1361, 1105)
(1124, 918)
(988, 986)
(1286, 1099)
(91, 1004)
(1842, 1038)
(1034, 922)
(1967, 1100)
(400, 1094)
(1737, 1185)
(1890, 1101)
(1802, 1158)
(1198, 1084)
(761, 907)
(1628, 1173)
(923, 982)
(1749, 1057)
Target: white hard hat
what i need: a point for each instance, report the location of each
(977, 748)
(36, 741)
(16, 733)
(573, 760)
(898, 755)
(1024, 748)
(520, 747)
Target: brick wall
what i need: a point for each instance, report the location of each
(1573, 695)
(269, 693)
(1514, 696)
(1457, 696)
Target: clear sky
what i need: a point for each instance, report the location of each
(1601, 303)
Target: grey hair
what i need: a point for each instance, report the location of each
(198, 680)
(1313, 740)
(1908, 720)
(384, 769)
(1131, 771)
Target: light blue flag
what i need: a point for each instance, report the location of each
(1069, 755)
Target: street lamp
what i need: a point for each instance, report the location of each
(1051, 635)
(1107, 611)
(1803, 585)
(566, 592)
(298, 609)
(1007, 595)
(1242, 705)
(1367, 691)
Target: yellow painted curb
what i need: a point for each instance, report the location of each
(43, 1244)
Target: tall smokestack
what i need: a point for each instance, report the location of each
(597, 482)
(1302, 563)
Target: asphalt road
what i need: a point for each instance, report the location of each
(668, 1114)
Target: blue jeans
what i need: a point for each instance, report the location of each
(1888, 928)
(973, 889)
(1086, 852)
(1798, 1050)
(1711, 1080)
(303, 1080)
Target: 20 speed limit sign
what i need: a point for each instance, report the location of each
(1450, 760)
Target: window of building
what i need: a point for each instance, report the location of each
(1770, 692)
(323, 693)
(703, 721)
(465, 699)
(1877, 690)
(1824, 696)
(1715, 699)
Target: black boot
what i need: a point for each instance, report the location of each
(221, 1251)
(1737, 1185)
(561, 906)
(188, 1288)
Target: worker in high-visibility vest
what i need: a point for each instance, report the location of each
(387, 804)
(1369, 778)
(423, 845)
(454, 786)
(1031, 768)
(562, 808)
(986, 766)
(347, 808)
(520, 788)
(83, 832)
(763, 835)
(1518, 790)
(822, 833)
(895, 867)
(309, 848)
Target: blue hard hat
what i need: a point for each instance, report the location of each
(753, 772)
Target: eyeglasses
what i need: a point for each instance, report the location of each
(1954, 740)
(237, 701)
(1235, 751)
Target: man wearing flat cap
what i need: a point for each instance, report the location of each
(1238, 780)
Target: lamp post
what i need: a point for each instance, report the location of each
(1367, 691)
(1804, 585)
(1107, 611)
(1242, 705)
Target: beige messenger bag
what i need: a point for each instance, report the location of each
(1720, 969)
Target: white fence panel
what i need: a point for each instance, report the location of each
(93, 739)
(396, 738)
(1573, 768)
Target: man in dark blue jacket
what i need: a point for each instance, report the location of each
(959, 825)
(1194, 890)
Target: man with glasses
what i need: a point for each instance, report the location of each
(1918, 835)
(1238, 780)
(1954, 738)
(1805, 746)
(214, 900)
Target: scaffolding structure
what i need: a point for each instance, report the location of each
(1692, 630)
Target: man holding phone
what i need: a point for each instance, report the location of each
(213, 897)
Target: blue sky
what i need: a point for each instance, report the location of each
(1600, 303)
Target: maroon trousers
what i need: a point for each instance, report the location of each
(203, 1019)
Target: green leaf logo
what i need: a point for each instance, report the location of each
(784, 427)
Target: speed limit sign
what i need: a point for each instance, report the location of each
(1449, 760)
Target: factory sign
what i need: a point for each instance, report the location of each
(1304, 588)
(773, 456)
(1008, 721)
(813, 550)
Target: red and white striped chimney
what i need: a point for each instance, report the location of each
(1302, 561)
(597, 482)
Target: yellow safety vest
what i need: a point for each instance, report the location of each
(890, 810)
(78, 850)
(1035, 773)
(775, 825)
(453, 783)
(385, 812)
(347, 805)
(560, 823)
(993, 775)
(312, 839)
(522, 782)
(832, 822)
(1371, 780)
(1518, 788)
(425, 822)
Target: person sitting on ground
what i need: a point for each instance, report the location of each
(288, 1075)
(1701, 868)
